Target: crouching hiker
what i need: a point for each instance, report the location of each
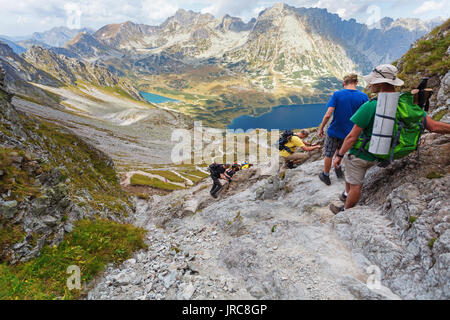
(288, 144)
(218, 171)
(410, 120)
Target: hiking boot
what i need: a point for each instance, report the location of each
(336, 209)
(290, 165)
(343, 197)
(339, 172)
(325, 179)
(214, 195)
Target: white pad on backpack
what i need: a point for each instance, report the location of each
(383, 126)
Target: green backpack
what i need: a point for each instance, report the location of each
(409, 126)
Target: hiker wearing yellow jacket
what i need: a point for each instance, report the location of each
(382, 79)
(295, 141)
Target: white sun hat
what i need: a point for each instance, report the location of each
(384, 73)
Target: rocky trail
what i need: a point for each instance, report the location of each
(273, 240)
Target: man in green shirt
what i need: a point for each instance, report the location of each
(382, 79)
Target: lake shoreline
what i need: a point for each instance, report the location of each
(282, 117)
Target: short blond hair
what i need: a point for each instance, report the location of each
(351, 78)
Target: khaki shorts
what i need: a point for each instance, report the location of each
(297, 157)
(355, 169)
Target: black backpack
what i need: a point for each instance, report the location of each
(285, 137)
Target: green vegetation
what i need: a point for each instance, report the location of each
(169, 175)
(9, 235)
(431, 242)
(141, 180)
(434, 175)
(427, 58)
(194, 175)
(412, 219)
(86, 166)
(119, 91)
(185, 95)
(90, 246)
(439, 115)
(18, 181)
(143, 196)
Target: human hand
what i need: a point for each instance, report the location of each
(321, 133)
(337, 162)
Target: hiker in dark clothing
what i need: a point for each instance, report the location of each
(218, 171)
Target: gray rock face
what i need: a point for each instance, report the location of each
(443, 95)
(8, 209)
(408, 238)
(2, 78)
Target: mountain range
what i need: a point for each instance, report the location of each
(285, 55)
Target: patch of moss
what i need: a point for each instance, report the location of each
(434, 175)
(91, 246)
(143, 196)
(431, 242)
(439, 115)
(412, 219)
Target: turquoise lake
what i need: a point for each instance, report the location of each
(155, 98)
(283, 118)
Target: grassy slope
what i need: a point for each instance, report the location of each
(141, 180)
(92, 244)
(427, 58)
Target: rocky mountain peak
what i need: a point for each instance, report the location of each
(229, 23)
(57, 36)
(188, 18)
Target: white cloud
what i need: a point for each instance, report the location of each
(235, 8)
(428, 6)
(40, 15)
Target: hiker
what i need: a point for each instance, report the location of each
(288, 144)
(342, 105)
(218, 171)
(382, 79)
(234, 168)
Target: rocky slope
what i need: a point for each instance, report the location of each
(273, 237)
(71, 71)
(430, 57)
(58, 36)
(85, 45)
(19, 73)
(50, 178)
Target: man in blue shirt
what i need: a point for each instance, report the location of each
(342, 105)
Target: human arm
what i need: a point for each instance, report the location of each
(325, 120)
(310, 148)
(349, 141)
(437, 126)
(225, 176)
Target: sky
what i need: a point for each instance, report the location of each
(23, 17)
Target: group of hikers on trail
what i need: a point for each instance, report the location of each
(352, 132)
(225, 172)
